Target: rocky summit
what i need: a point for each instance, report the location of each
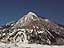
(32, 29)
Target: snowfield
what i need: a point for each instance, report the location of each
(21, 45)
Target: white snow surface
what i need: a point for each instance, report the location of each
(22, 45)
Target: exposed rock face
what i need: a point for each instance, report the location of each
(33, 29)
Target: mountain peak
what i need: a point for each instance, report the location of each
(31, 13)
(30, 16)
(26, 19)
(32, 28)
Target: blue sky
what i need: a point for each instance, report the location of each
(12, 10)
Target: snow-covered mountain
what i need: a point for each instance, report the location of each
(32, 28)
